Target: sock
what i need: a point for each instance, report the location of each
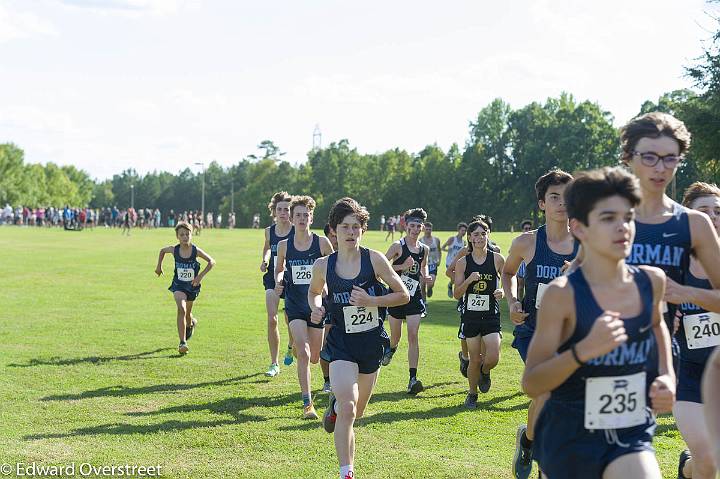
(413, 373)
(346, 471)
(306, 399)
(326, 378)
(289, 347)
(525, 442)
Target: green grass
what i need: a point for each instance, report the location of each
(90, 372)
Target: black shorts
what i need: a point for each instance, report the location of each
(415, 306)
(566, 450)
(191, 295)
(366, 350)
(689, 380)
(432, 269)
(305, 318)
(470, 328)
(269, 283)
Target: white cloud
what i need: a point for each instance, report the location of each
(17, 25)
(131, 6)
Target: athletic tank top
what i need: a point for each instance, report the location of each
(544, 267)
(699, 330)
(298, 271)
(479, 301)
(434, 254)
(274, 240)
(186, 269)
(666, 246)
(453, 249)
(338, 299)
(411, 277)
(629, 358)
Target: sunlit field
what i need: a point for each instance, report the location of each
(91, 374)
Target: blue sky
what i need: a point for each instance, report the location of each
(161, 84)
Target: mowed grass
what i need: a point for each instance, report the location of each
(90, 372)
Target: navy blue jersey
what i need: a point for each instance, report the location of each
(697, 327)
(342, 314)
(411, 277)
(631, 357)
(274, 240)
(544, 267)
(298, 273)
(479, 302)
(186, 269)
(666, 246)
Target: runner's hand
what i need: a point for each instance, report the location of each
(517, 315)
(674, 292)
(263, 267)
(474, 276)
(317, 315)
(159, 271)
(565, 266)
(196, 281)
(676, 321)
(279, 287)
(607, 333)
(662, 394)
(409, 263)
(360, 297)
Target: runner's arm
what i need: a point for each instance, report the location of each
(516, 255)
(163, 252)
(208, 266)
(461, 283)
(706, 248)
(710, 394)
(266, 251)
(280, 261)
(385, 272)
(316, 290)
(325, 246)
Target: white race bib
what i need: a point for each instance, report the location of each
(702, 330)
(410, 284)
(302, 274)
(359, 319)
(478, 302)
(185, 274)
(615, 402)
(540, 293)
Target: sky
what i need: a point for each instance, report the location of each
(107, 85)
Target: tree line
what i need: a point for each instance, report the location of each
(493, 173)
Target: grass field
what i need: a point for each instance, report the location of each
(91, 374)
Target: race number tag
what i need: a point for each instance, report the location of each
(478, 302)
(540, 293)
(615, 402)
(186, 274)
(702, 330)
(302, 274)
(359, 319)
(410, 284)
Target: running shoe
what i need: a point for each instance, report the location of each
(309, 412)
(415, 386)
(464, 363)
(326, 387)
(273, 371)
(429, 292)
(330, 416)
(485, 382)
(684, 456)
(522, 460)
(183, 348)
(387, 357)
(471, 401)
(288, 360)
(190, 330)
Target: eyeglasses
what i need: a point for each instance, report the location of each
(651, 159)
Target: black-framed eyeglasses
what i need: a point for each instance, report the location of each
(651, 159)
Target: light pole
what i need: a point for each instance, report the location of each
(132, 196)
(202, 201)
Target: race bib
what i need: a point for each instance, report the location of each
(615, 402)
(478, 302)
(410, 284)
(702, 330)
(540, 293)
(359, 318)
(302, 274)
(185, 274)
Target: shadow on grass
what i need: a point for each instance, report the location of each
(55, 361)
(122, 391)
(123, 429)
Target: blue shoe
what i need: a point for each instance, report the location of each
(387, 357)
(288, 360)
(684, 456)
(522, 460)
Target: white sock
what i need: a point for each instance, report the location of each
(345, 471)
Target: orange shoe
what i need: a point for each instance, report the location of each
(309, 412)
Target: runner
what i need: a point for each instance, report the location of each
(698, 334)
(592, 352)
(409, 256)
(476, 285)
(434, 258)
(452, 246)
(357, 309)
(295, 257)
(390, 228)
(186, 280)
(525, 227)
(463, 353)
(279, 207)
(545, 251)
(324, 357)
